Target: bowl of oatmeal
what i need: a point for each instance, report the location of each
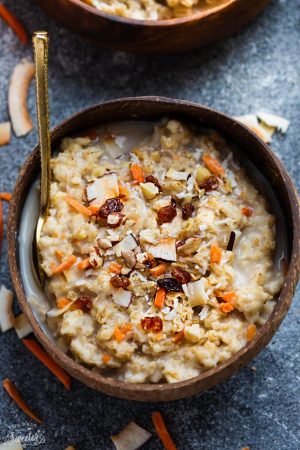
(170, 248)
(152, 26)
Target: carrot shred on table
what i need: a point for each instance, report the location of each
(62, 302)
(16, 396)
(115, 267)
(6, 196)
(247, 211)
(84, 264)
(77, 206)
(158, 270)
(162, 431)
(213, 165)
(14, 24)
(137, 173)
(40, 354)
(226, 308)
(215, 254)
(251, 331)
(1, 224)
(65, 265)
(94, 209)
(106, 359)
(160, 297)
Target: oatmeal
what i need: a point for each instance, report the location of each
(154, 9)
(159, 261)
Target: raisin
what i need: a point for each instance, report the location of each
(181, 275)
(84, 303)
(231, 241)
(152, 179)
(110, 206)
(154, 324)
(170, 284)
(167, 213)
(120, 282)
(210, 184)
(187, 211)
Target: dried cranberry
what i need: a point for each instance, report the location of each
(210, 184)
(120, 282)
(181, 275)
(167, 213)
(110, 206)
(154, 324)
(187, 211)
(152, 179)
(84, 303)
(170, 284)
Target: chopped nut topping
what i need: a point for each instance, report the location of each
(114, 219)
(187, 211)
(181, 275)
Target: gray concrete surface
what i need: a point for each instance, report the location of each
(258, 68)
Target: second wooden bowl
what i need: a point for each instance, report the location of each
(259, 154)
(149, 36)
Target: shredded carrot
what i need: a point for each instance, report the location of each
(226, 308)
(6, 196)
(213, 165)
(84, 264)
(106, 359)
(160, 296)
(162, 431)
(64, 265)
(16, 396)
(121, 332)
(247, 211)
(158, 270)
(215, 254)
(137, 173)
(123, 191)
(1, 224)
(229, 297)
(40, 354)
(77, 206)
(178, 337)
(251, 331)
(14, 24)
(94, 209)
(62, 302)
(59, 254)
(115, 268)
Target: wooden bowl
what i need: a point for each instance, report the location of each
(253, 148)
(147, 36)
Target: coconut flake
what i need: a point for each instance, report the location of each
(131, 438)
(204, 312)
(128, 243)
(22, 326)
(176, 175)
(6, 314)
(274, 121)
(165, 249)
(15, 444)
(17, 97)
(56, 312)
(122, 297)
(102, 189)
(251, 121)
(195, 291)
(5, 133)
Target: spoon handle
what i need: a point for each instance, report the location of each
(40, 45)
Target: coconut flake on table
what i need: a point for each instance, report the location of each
(17, 97)
(251, 121)
(102, 189)
(6, 314)
(22, 326)
(15, 444)
(274, 121)
(131, 437)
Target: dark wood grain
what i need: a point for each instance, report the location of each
(258, 153)
(144, 36)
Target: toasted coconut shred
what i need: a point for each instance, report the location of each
(152, 286)
(17, 97)
(5, 133)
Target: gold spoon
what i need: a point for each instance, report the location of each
(40, 45)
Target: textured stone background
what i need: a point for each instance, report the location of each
(258, 68)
